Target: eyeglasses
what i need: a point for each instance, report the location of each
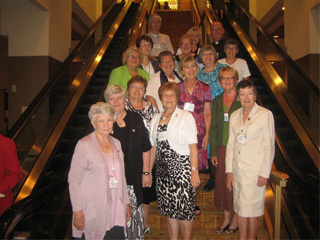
(208, 54)
(136, 87)
(167, 61)
(145, 45)
(227, 78)
(133, 57)
(216, 29)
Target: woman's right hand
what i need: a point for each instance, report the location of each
(214, 161)
(230, 181)
(78, 220)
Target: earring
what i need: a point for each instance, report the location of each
(112, 131)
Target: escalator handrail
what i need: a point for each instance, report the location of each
(20, 210)
(44, 92)
(307, 81)
(49, 146)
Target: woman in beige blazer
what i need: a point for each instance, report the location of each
(249, 157)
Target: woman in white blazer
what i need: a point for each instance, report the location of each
(173, 136)
(249, 157)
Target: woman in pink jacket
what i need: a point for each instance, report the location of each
(97, 184)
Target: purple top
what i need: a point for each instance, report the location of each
(200, 95)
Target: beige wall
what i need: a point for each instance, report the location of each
(59, 29)
(301, 29)
(27, 28)
(91, 7)
(258, 8)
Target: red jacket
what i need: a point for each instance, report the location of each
(10, 171)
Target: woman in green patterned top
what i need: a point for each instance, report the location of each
(223, 106)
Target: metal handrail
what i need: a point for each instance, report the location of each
(311, 86)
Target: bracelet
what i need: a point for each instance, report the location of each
(145, 173)
(194, 169)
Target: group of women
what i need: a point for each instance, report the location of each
(151, 139)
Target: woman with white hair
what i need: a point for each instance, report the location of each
(131, 60)
(134, 138)
(97, 183)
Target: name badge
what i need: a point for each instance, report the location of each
(189, 107)
(113, 182)
(156, 46)
(241, 139)
(226, 117)
(163, 136)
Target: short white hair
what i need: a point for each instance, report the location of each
(114, 89)
(102, 108)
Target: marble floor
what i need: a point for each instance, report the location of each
(204, 225)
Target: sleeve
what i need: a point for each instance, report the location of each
(144, 74)
(269, 144)
(246, 71)
(77, 169)
(152, 129)
(189, 129)
(230, 145)
(114, 77)
(146, 145)
(12, 170)
(170, 48)
(152, 87)
(214, 130)
(208, 93)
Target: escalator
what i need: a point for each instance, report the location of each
(58, 117)
(297, 151)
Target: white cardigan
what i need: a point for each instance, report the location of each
(182, 131)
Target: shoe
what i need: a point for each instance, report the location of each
(221, 230)
(147, 230)
(197, 210)
(209, 186)
(230, 231)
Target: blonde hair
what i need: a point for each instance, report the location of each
(184, 61)
(195, 30)
(129, 51)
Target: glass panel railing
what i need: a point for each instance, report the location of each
(35, 126)
(299, 91)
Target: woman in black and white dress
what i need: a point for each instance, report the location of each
(173, 136)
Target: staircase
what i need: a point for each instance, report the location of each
(175, 23)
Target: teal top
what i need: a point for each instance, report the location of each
(121, 76)
(219, 132)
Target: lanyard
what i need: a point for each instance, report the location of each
(105, 155)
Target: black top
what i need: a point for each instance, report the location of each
(219, 47)
(134, 141)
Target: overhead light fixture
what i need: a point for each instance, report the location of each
(275, 36)
(283, 8)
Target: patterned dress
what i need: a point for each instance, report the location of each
(147, 113)
(212, 79)
(176, 196)
(200, 95)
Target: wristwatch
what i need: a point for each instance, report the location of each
(145, 173)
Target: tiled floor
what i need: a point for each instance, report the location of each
(204, 225)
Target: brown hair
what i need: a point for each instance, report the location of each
(169, 86)
(137, 79)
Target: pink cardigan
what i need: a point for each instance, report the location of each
(89, 189)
